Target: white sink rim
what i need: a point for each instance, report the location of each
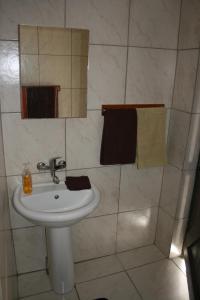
(59, 218)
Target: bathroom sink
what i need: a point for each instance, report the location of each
(54, 205)
(57, 208)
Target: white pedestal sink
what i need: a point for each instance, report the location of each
(56, 208)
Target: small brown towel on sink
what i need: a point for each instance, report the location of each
(77, 183)
(119, 137)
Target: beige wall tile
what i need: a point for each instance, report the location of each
(80, 41)
(177, 137)
(28, 39)
(64, 103)
(185, 80)
(24, 141)
(33, 12)
(83, 141)
(94, 237)
(136, 228)
(55, 70)
(154, 23)
(29, 70)
(164, 232)
(106, 20)
(56, 41)
(79, 103)
(139, 189)
(79, 72)
(30, 247)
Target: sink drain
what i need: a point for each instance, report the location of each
(56, 196)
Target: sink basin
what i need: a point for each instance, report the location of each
(53, 205)
(57, 208)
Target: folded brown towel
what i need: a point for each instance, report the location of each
(77, 183)
(119, 137)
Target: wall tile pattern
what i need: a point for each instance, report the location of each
(56, 56)
(125, 66)
(184, 136)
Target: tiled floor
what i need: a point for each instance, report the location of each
(140, 274)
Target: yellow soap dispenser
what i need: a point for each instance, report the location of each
(27, 179)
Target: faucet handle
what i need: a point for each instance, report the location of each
(42, 166)
(55, 158)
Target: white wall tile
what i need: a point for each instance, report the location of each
(154, 23)
(185, 80)
(106, 76)
(94, 237)
(9, 76)
(193, 144)
(139, 189)
(136, 228)
(31, 141)
(150, 76)
(177, 138)
(178, 237)
(170, 189)
(33, 283)
(189, 36)
(83, 141)
(106, 20)
(185, 194)
(33, 12)
(164, 232)
(30, 249)
(196, 103)
(106, 179)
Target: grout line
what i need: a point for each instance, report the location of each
(159, 201)
(65, 13)
(172, 260)
(131, 280)
(179, 26)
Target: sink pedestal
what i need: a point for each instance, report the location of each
(60, 259)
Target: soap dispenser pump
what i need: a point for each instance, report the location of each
(27, 179)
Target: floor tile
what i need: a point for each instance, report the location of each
(160, 281)
(53, 296)
(97, 268)
(180, 262)
(114, 287)
(140, 256)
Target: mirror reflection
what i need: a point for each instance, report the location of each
(53, 66)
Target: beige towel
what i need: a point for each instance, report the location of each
(151, 144)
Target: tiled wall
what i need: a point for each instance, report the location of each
(57, 56)
(132, 58)
(8, 279)
(184, 135)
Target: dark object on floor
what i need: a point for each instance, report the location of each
(101, 299)
(40, 102)
(119, 137)
(77, 183)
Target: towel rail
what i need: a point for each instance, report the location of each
(128, 106)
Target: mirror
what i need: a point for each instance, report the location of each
(53, 69)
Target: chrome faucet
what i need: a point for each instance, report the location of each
(53, 167)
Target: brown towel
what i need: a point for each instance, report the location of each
(77, 183)
(119, 137)
(40, 101)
